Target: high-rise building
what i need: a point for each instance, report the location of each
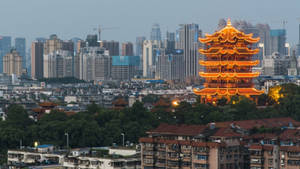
(94, 64)
(277, 41)
(139, 45)
(20, 45)
(298, 45)
(187, 39)
(155, 32)
(51, 47)
(111, 46)
(12, 63)
(149, 57)
(124, 67)
(75, 41)
(5, 47)
(127, 49)
(169, 65)
(58, 64)
(169, 42)
(37, 52)
(92, 40)
(53, 44)
(139, 51)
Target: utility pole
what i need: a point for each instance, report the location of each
(123, 138)
(67, 134)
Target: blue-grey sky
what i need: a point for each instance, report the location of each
(77, 18)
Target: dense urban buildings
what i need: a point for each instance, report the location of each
(12, 63)
(37, 62)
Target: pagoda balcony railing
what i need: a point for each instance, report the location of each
(218, 85)
(229, 75)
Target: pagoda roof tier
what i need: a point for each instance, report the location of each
(229, 63)
(236, 50)
(228, 91)
(229, 34)
(229, 75)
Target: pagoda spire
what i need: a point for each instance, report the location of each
(228, 22)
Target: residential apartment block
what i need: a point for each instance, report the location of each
(223, 145)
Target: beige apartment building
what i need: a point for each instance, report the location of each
(12, 63)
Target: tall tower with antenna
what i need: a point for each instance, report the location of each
(298, 45)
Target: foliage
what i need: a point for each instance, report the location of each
(102, 127)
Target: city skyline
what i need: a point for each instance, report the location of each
(135, 18)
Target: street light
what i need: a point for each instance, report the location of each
(123, 138)
(67, 134)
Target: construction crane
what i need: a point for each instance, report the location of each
(100, 29)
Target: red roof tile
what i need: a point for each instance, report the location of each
(290, 134)
(226, 132)
(290, 148)
(186, 130)
(268, 123)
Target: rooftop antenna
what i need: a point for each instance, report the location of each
(284, 22)
(299, 29)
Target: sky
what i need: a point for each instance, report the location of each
(132, 18)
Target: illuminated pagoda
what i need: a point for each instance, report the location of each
(228, 64)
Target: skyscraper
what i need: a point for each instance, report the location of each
(149, 57)
(12, 63)
(111, 46)
(169, 42)
(169, 65)
(298, 45)
(20, 45)
(139, 51)
(94, 64)
(37, 51)
(278, 39)
(187, 39)
(5, 47)
(58, 64)
(127, 49)
(155, 32)
(139, 45)
(124, 67)
(51, 47)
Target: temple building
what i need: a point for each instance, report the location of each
(228, 64)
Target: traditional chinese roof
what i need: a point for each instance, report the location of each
(229, 34)
(187, 130)
(230, 75)
(228, 91)
(223, 51)
(267, 123)
(230, 63)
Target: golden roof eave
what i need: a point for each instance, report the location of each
(228, 91)
(230, 63)
(229, 75)
(219, 50)
(229, 34)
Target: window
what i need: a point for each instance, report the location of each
(202, 157)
